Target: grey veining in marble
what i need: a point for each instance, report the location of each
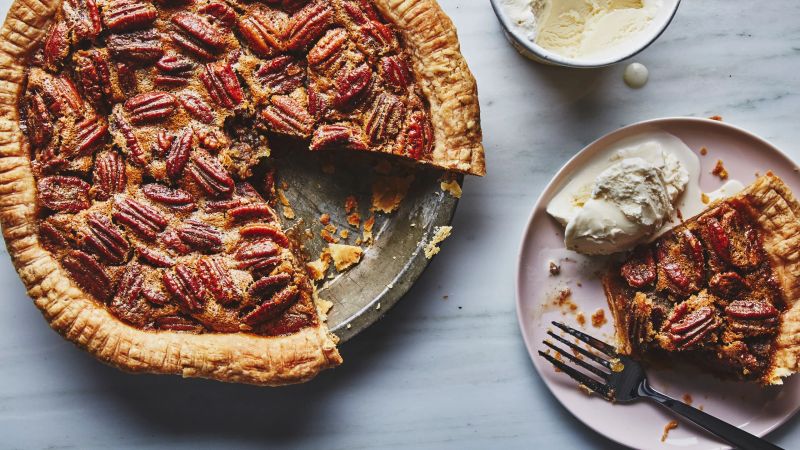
(434, 372)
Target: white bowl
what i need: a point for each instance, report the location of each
(631, 47)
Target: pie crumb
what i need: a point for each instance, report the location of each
(350, 204)
(704, 198)
(703, 151)
(325, 219)
(439, 235)
(323, 307)
(671, 425)
(720, 171)
(317, 268)
(716, 117)
(282, 198)
(388, 192)
(344, 234)
(687, 398)
(580, 318)
(555, 269)
(345, 256)
(288, 212)
(452, 187)
(366, 238)
(599, 318)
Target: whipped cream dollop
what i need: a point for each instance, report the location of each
(626, 196)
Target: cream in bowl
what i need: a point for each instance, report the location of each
(583, 33)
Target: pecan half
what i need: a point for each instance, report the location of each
(94, 76)
(38, 120)
(219, 12)
(263, 230)
(60, 95)
(352, 86)
(259, 255)
(56, 46)
(418, 139)
(128, 15)
(751, 310)
(200, 235)
(640, 269)
(196, 107)
(83, 17)
(91, 132)
(261, 29)
(727, 284)
(177, 323)
(328, 49)
(142, 219)
(173, 70)
(308, 25)
(177, 199)
(197, 35)
(222, 84)
(690, 328)
(139, 47)
(682, 261)
(337, 136)
(109, 175)
(89, 274)
(185, 287)
(154, 257)
(217, 280)
(105, 240)
(179, 151)
(395, 72)
(209, 174)
(274, 306)
(63, 193)
(383, 120)
(150, 107)
(282, 74)
(129, 287)
(284, 115)
(132, 147)
(251, 211)
(268, 284)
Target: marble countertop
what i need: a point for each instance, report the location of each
(447, 366)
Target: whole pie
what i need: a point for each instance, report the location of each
(720, 290)
(137, 184)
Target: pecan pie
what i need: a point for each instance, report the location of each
(136, 174)
(720, 290)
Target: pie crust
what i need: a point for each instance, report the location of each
(237, 357)
(777, 220)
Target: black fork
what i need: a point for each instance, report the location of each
(620, 379)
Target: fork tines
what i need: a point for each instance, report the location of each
(600, 387)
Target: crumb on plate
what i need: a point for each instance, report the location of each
(599, 318)
(555, 269)
(703, 151)
(720, 171)
(671, 425)
(451, 187)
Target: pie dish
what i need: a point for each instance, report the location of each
(719, 290)
(138, 197)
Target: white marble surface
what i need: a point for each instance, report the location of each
(433, 373)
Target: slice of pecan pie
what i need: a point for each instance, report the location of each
(135, 172)
(720, 290)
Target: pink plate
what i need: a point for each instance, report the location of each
(640, 425)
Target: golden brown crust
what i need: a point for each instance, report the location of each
(226, 357)
(780, 225)
(445, 79)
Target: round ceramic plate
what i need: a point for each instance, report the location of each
(755, 409)
(395, 260)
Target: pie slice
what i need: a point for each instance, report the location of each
(720, 290)
(137, 183)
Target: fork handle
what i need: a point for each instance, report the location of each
(735, 436)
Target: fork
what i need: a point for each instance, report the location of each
(624, 381)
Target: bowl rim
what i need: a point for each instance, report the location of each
(548, 57)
